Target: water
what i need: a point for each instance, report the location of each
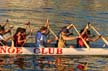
(78, 12)
(49, 63)
(59, 13)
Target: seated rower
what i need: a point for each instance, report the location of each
(42, 37)
(19, 37)
(85, 33)
(64, 36)
(3, 31)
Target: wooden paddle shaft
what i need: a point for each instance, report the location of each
(52, 32)
(81, 37)
(69, 26)
(12, 44)
(47, 25)
(105, 41)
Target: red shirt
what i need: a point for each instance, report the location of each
(80, 42)
(16, 43)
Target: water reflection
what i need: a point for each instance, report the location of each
(52, 63)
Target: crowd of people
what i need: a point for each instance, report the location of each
(41, 37)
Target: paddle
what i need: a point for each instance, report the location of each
(6, 23)
(69, 26)
(81, 37)
(104, 40)
(10, 27)
(12, 45)
(47, 25)
(27, 24)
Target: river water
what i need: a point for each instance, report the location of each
(59, 13)
(52, 63)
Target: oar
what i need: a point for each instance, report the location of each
(69, 26)
(27, 27)
(9, 26)
(47, 25)
(81, 37)
(6, 23)
(12, 44)
(104, 40)
(52, 32)
(2, 43)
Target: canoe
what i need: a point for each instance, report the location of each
(53, 51)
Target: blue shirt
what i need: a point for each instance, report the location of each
(41, 39)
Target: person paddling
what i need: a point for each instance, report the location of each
(19, 37)
(64, 36)
(3, 31)
(42, 37)
(85, 33)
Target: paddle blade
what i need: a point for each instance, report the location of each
(47, 23)
(12, 44)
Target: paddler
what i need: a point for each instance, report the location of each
(19, 37)
(3, 31)
(86, 34)
(42, 37)
(64, 36)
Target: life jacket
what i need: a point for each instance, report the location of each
(61, 42)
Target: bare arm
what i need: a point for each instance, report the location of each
(51, 40)
(85, 29)
(93, 39)
(19, 39)
(8, 38)
(29, 32)
(70, 38)
(47, 23)
(6, 31)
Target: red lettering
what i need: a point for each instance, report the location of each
(3, 50)
(51, 50)
(37, 50)
(8, 50)
(34, 50)
(59, 51)
(18, 50)
(48, 50)
(11, 50)
(43, 51)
